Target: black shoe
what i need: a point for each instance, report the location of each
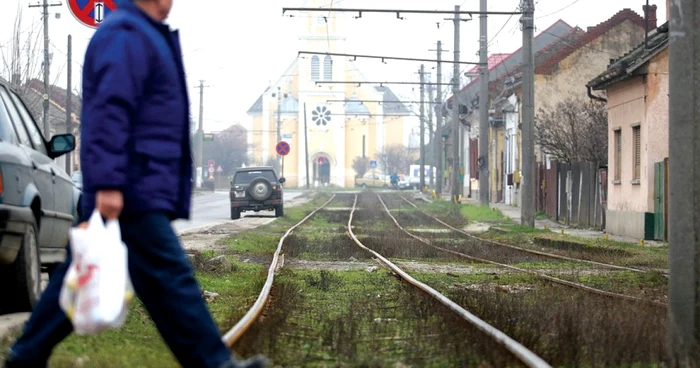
(254, 362)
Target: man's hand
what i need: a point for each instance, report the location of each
(109, 203)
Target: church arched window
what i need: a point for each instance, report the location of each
(315, 68)
(328, 68)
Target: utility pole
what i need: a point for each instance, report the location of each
(484, 179)
(45, 12)
(684, 185)
(306, 148)
(422, 127)
(200, 131)
(279, 121)
(438, 123)
(528, 195)
(456, 131)
(431, 136)
(69, 100)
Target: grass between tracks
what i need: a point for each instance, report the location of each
(504, 230)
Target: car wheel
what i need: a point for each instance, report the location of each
(235, 213)
(23, 287)
(279, 211)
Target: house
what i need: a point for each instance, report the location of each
(338, 121)
(637, 87)
(32, 92)
(562, 66)
(500, 65)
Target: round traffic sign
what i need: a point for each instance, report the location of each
(211, 163)
(321, 160)
(282, 148)
(211, 169)
(91, 12)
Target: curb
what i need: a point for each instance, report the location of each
(11, 323)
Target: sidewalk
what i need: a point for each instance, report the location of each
(514, 214)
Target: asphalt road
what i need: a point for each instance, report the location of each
(210, 209)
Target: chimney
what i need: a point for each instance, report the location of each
(650, 13)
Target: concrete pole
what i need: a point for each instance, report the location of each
(431, 136)
(422, 127)
(47, 68)
(438, 123)
(279, 122)
(684, 184)
(528, 179)
(484, 179)
(200, 131)
(69, 101)
(456, 132)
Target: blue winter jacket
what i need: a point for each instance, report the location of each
(135, 116)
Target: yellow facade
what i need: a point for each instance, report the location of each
(343, 121)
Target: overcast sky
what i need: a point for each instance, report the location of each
(240, 47)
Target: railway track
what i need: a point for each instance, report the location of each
(518, 269)
(531, 251)
(522, 353)
(235, 333)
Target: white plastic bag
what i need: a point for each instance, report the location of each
(96, 289)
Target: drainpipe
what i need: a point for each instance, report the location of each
(594, 97)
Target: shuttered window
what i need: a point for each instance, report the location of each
(637, 154)
(315, 68)
(328, 68)
(618, 155)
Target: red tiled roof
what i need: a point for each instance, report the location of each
(493, 61)
(473, 81)
(58, 95)
(548, 66)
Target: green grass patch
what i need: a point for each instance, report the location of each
(138, 343)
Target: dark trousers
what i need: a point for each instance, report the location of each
(162, 278)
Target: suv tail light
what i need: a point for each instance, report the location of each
(2, 184)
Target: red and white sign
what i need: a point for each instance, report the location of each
(321, 160)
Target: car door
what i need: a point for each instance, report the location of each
(40, 171)
(62, 184)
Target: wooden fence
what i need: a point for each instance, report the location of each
(573, 194)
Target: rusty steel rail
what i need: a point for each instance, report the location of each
(525, 355)
(518, 269)
(242, 326)
(531, 251)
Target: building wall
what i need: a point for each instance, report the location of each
(573, 72)
(627, 202)
(655, 133)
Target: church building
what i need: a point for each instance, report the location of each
(344, 121)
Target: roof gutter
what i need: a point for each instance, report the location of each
(594, 97)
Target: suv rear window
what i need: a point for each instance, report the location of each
(245, 177)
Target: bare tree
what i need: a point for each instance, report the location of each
(575, 130)
(22, 56)
(395, 158)
(228, 149)
(360, 165)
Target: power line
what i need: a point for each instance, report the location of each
(382, 58)
(359, 83)
(398, 12)
(558, 11)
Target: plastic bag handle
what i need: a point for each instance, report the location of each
(111, 226)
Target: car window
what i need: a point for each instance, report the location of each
(30, 124)
(15, 118)
(245, 177)
(6, 131)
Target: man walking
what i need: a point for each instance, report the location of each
(137, 167)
